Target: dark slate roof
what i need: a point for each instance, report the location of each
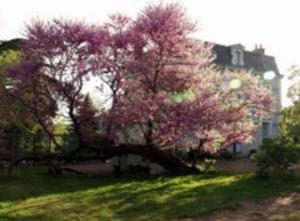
(252, 60)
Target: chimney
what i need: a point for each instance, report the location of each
(259, 49)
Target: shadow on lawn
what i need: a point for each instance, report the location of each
(150, 198)
(24, 218)
(36, 182)
(171, 201)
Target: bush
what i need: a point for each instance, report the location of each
(275, 157)
(252, 152)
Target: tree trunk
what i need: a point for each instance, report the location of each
(167, 159)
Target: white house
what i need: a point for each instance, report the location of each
(235, 56)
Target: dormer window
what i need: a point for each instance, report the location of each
(237, 55)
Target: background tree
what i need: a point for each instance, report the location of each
(294, 89)
(13, 44)
(276, 156)
(12, 112)
(290, 116)
(290, 123)
(89, 121)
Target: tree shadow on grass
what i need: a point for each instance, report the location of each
(142, 198)
(24, 218)
(171, 201)
(37, 182)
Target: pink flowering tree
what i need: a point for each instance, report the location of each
(113, 58)
(164, 94)
(171, 98)
(59, 58)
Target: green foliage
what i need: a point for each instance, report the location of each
(18, 142)
(87, 117)
(61, 128)
(290, 116)
(294, 77)
(275, 157)
(37, 196)
(13, 44)
(290, 123)
(9, 57)
(21, 133)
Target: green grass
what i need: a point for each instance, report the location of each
(36, 196)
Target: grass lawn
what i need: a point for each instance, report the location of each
(36, 196)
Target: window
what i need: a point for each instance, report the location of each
(265, 130)
(237, 58)
(237, 55)
(236, 148)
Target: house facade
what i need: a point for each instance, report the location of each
(236, 57)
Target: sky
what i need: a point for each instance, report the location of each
(272, 23)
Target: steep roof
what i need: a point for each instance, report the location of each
(252, 60)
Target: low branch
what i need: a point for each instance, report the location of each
(167, 159)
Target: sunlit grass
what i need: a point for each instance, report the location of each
(35, 195)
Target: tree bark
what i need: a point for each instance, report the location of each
(167, 159)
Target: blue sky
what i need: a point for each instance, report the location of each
(272, 23)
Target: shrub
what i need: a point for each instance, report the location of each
(252, 152)
(275, 157)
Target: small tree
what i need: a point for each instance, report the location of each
(294, 89)
(88, 120)
(15, 119)
(276, 156)
(290, 123)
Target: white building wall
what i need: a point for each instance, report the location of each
(272, 120)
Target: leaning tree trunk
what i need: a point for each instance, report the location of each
(167, 159)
